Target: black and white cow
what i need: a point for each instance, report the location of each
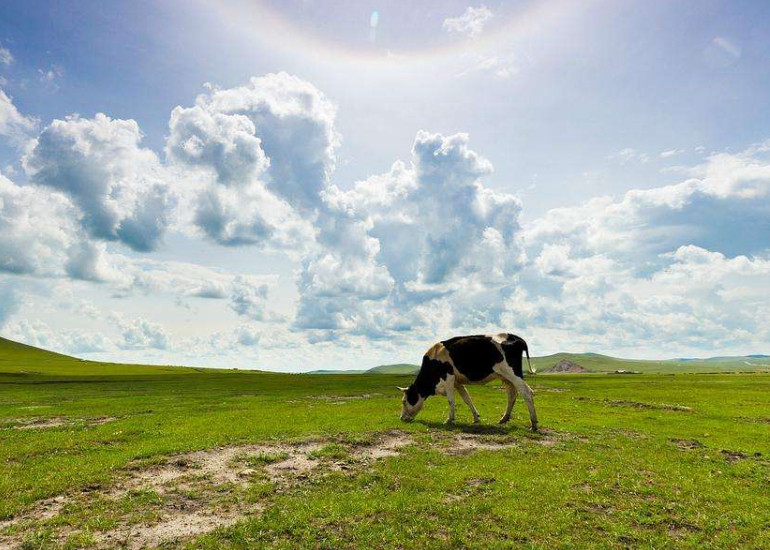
(449, 365)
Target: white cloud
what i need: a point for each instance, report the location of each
(118, 186)
(269, 149)
(412, 235)
(471, 23)
(6, 58)
(13, 125)
(49, 77)
(630, 155)
(249, 296)
(38, 229)
(679, 267)
(143, 334)
(9, 301)
(670, 153)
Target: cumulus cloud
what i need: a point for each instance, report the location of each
(415, 234)
(724, 208)
(471, 23)
(37, 229)
(681, 266)
(117, 185)
(249, 297)
(268, 147)
(13, 125)
(143, 334)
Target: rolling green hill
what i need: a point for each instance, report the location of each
(23, 360)
(399, 368)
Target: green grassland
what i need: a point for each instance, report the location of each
(649, 461)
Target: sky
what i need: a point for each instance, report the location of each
(313, 184)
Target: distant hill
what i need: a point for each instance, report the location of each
(18, 359)
(595, 362)
(332, 371)
(399, 368)
(566, 366)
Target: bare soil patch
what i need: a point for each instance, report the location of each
(755, 419)
(39, 423)
(196, 492)
(640, 404)
(687, 444)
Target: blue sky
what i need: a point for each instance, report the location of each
(299, 185)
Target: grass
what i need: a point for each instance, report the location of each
(649, 461)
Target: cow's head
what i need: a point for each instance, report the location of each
(411, 403)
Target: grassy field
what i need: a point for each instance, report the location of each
(95, 455)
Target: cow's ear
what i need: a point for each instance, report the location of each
(402, 389)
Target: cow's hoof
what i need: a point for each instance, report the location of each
(449, 421)
(534, 428)
(477, 420)
(504, 420)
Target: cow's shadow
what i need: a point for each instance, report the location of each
(476, 429)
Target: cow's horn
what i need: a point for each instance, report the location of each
(402, 389)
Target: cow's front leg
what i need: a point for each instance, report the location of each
(511, 401)
(467, 398)
(450, 395)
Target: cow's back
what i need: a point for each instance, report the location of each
(473, 356)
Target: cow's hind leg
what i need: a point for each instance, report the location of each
(467, 398)
(512, 393)
(521, 387)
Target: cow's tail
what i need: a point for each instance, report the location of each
(532, 370)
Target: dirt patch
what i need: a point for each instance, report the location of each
(343, 397)
(174, 529)
(687, 444)
(733, 456)
(640, 405)
(462, 444)
(197, 492)
(754, 419)
(54, 422)
(189, 488)
(389, 445)
(39, 423)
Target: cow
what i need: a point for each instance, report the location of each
(451, 364)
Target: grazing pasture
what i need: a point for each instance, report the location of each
(95, 455)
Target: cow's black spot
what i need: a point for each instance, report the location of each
(431, 373)
(474, 356)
